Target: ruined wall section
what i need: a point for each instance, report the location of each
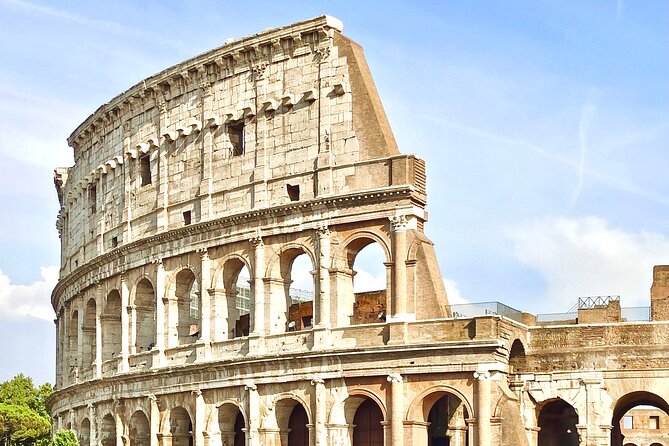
(308, 111)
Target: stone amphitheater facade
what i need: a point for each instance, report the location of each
(246, 157)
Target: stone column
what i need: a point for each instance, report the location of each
(59, 350)
(121, 439)
(320, 398)
(219, 315)
(398, 226)
(159, 358)
(132, 312)
(98, 332)
(205, 298)
(482, 408)
(324, 262)
(253, 411)
(154, 421)
(258, 322)
(198, 429)
(93, 423)
(125, 324)
(80, 339)
(396, 409)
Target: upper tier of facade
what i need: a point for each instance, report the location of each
(287, 116)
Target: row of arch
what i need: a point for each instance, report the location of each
(558, 421)
(232, 296)
(364, 423)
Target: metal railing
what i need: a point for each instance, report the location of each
(485, 309)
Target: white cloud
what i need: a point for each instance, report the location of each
(365, 281)
(32, 300)
(586, 257)
(453, 293)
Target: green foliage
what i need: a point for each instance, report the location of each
(23, 417)
(65, 437)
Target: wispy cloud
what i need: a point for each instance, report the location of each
(105, 25)
(587, 112)
(589, 172)
(453, 293)
(587, 257)
(34, 300)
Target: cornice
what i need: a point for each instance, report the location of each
(250, 219)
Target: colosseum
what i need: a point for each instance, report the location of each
(193, 195)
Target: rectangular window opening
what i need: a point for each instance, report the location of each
(306, 321)
(114, 242)
(654, 422)
(145, 169)
(627, 422)
(236, 135)
(293, 192)
(187, 218)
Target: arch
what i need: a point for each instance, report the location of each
(186, 290)
(239, 297)
(181, 427)
(629, 401)
(517, 357)
(89, 328)
(232, 424)
(139, 430)
(419, 408)
(557, 422)
(362, 238)
(368, 424)
(144, 307)
(292, 312)
(73, 338)
(111, 326)
(356, 304)
(84, 432)
(108, 431)
(656, 444)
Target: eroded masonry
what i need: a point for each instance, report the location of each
(192, 195)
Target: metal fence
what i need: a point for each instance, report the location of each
(484, 309)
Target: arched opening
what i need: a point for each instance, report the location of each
(139, 431)
(447, 420)
(236, 309)
(639, 418)
(232, 425)
(181, 427)
(187, 292)
(90, 335)
(111, 326)
(293, 422)
(557, 424)
(73, 338)
(295, 311)
(368, 427)
(84, 433)
(108, 431)
(298, 432)
(145, 316)
(366, 261)
(517, 360)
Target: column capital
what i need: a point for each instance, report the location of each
(153, 398)
(204, 253)
(323, 230)
(196, 392)
(257, 241)
(158, 263)
(482, 375)
(317, 380)
(399, 223)
(250, 386)
(394, 378)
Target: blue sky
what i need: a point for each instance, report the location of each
(545, 126)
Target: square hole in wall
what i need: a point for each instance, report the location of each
(187, 218)
(293, 192)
